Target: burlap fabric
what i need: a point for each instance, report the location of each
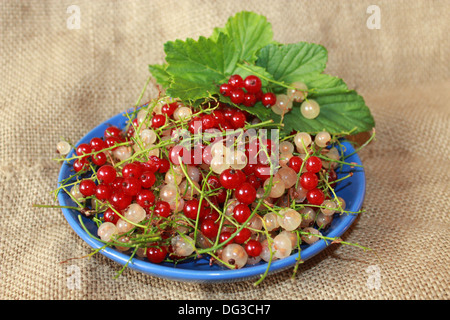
(61, 82)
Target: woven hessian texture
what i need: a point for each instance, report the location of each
(60, 82)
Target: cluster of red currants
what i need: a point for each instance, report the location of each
(246, 91)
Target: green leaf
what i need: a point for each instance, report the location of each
(289, 62)
(159, 72)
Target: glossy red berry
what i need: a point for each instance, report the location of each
(238, 120)
(162, 209)
(241, 213)
(87, 187)
(309, 180)
(209, 228)
(156, 254)
(295, 163)
(253, 248)
(112, 141)
(147, 179)
(83, 149)
(245, 193)
(80, 165)
(99, 159)
(132, 169)
(208, 121)
(103, 192)
(262, 172)
(120, 200)
(236, 81)
(225, 89)
(315, 196)
(249, 100)
(131, 186)
(237, 96)
(112, 131)
(110, 216)
(268, 99)
(158, 121)
(169, 109)
(97, 144)
(116, 185)
(224, 236)
(145, 198)
(164, 166)
(252, 84)
(313, 164)
(106, 173)
(242, 236)
(231, 178)
(191, 208)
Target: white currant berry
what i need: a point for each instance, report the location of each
(289, 219)
(106, 231)
(310, 238)
(169, 192)
(292, 236)
(182, 245)
(271, 221)
(123, 153)
(235, 254)
(323, 220)
(286, 147)
(282, 246)
(299, 93)
(63, 148)
(283, 104)
(182, 112)
(329, 207)
(302, 140)
(148, 136)
(123, 226)
(310, 109)
(135, 213)
(288, 176)
(308, 217)
(322, 139)
(277, 189)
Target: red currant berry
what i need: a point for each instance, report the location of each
(97, 144)
(237, 96)
(116, 185)
(112, 131)
(106, 173)
(112, 141)
(132, 169)
(169, 109)
(156, 254)
(242, 236)
(313, 164)
(228, 112)
(120, 200)
(218, 117)
(236, 81)
(221, 195)
(245, 193)
(213, 182)
(158, 120)
(131, 186)
(83, 149)
(208, 121)
(252, 84)
(99, 159)
(191, 208)
(147, 179)
(268, 99)
(175, 153)
(332, 176)
(254, 181)
(164, 166)
(103, 192)
(295, 163)
(110, 216)
(241, 213)
(87, 187)
(224, 236)
(162, 209)
(231, 178)
(225, 89)
(80, 165)
(249, 100)
(253, 248)
(262, 172)
(238, 120)
(309, 180)
(145, 198)
(209, 228)
(315, 197)
(152, 164)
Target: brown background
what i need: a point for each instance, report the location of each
(56, 82)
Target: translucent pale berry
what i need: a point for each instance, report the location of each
(310, 109)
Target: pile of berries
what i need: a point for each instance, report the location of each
(169, 196)
(249, 91)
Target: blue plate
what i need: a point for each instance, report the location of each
(352, 190)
